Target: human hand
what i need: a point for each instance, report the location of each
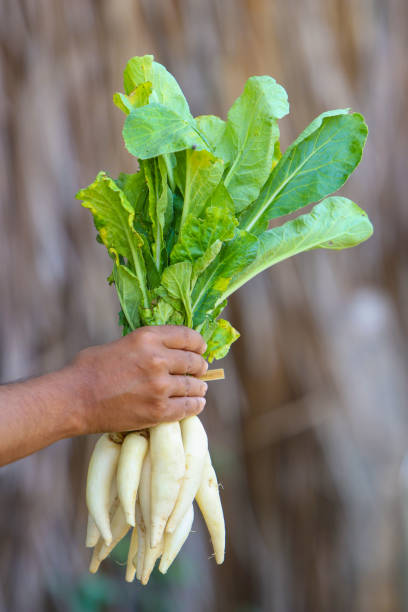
(140, 380)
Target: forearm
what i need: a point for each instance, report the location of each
(37, 412)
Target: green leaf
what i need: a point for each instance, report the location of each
(165, 314)
(204, 261)
(198, 234)
(211, 286)
(129, 294)
(155, 171)
(176, 280)
(213, 128)
(139, 97)
(155, 129)
(317, 122)
(197, 175)
(251, 133)
(166, 90)
(138, 70)
(135, 189)
(335, 223)
(220, 340)
(221, 198)
(311, 168)
(113, 217)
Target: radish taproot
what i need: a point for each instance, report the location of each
(151, 553)
(195, 444)
(209, 502)
(138, 559)
(131, 457)
(102, 468)
(119, 528)
(167, 471)
(174, 541)
(133, 546)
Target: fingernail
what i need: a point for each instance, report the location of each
(202, 401)
(206, 366)
(205, 387)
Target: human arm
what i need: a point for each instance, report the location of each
(132, 383)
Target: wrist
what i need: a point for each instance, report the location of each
(74, 402)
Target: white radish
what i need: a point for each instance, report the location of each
(130, 568)
(95, 561)
(138, 560)
(151, 554)
(119, 527)
(101, 471)
(195, 444)
(175, 540)
(130, 463)
(209, 502)
(92, 533)
(168, 467)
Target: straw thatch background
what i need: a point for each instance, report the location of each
(311, 428)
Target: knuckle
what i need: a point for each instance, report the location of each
(160, 387)
(158, 410)
(157, 362)
(144, 335)
(188, 382)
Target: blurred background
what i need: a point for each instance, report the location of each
(310, 430)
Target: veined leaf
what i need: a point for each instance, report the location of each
(335, 223)
(166, 90)
(155, 129)
(197, 174)
(317, 122)
(198, 234)
(204, 261)
(250, 135)
(219, 340)
(155, 171)
(164, 314)
(139, 97)
(211, 286)
(135, 189)
(221, 198)
(129, 293)
(310, 169)
(176, 280)
(113, 217)
(213, 128)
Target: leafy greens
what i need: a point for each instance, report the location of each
(191, 226)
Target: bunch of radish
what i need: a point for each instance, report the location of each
(185, 230)
(147, 481)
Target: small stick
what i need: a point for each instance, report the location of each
(213, 375)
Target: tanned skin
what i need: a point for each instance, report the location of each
(132, 383)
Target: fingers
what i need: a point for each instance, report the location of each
(180, 337)
(180, 407)
(186, 386)
(186, 362)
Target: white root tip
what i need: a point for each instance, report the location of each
(219, 558)
(130, 574)
(95, 562)
(163, 567)
(130, 519)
